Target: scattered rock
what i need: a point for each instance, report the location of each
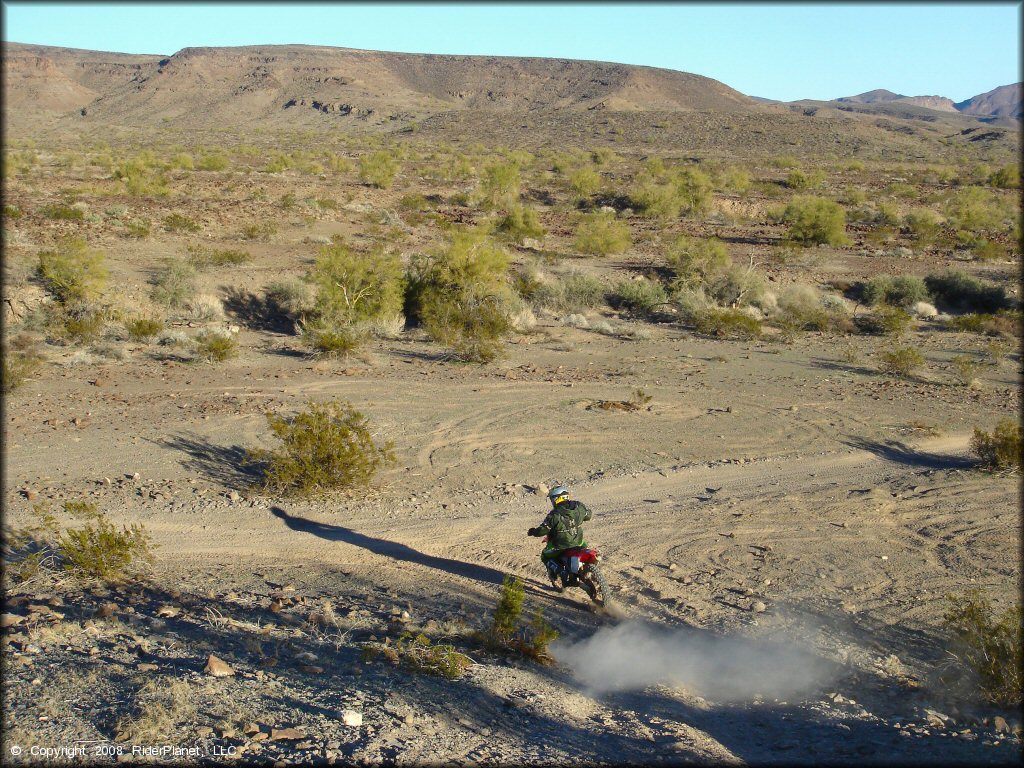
(758, 607)
(250, 729)
(310, 669)
(1000, 724)
(542, 489)
(351, 718)
(286, 734)
(672, 566)
(105, 610)
(147, 667)
(204, 731)
(168, 611)
(10, 620)
(218, 667)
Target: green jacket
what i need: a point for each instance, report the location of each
(564, 526)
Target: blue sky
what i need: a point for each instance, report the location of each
(776, 50)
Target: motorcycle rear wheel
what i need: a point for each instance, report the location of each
(598, 587)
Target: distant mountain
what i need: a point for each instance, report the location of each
(286, 84)
(870, 97)
(1004, 101)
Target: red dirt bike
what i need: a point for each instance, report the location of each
(578, 567)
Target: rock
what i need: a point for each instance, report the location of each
(30, 494)
(10, 620)
(936, 719)
(218, 667)
(203, 731)
(758, 607)
(250, 728)
(168, 611)
(542, 489)
(260, 736)
(672, 566)
(351, 718)
(147, 667)
(105, 610)
(286, 734)
(1000, 724)
(234, 496)
(310, 669)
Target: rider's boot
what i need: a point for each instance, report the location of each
(553, 575)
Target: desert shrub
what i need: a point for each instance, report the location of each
(990, 250)
(337, 339)
(508, 610)
(584, 182)
(520, 223)
(213, 162)
(695, 261)
(637, 296)
(461, 295)
(1000, 449)
(63, 212)
(204, 308)
(72, 273)
(174, 283)
(201, 257)
(138, 228)
(215, 346)
(986, 649)
(1007, 177)
(924, 224)
(736, 179)
(965, 369)
(355, 287)
(973, 211)
(796, 179)
(177, 222)
(163, 710)
(735, 287)
(685, 190)
(884, 321)
(601, 234)
(419, 654)
(726, 323)
(815, 221)
(378, 169)
(785, 161)
(572, 293)
(290, 297)
(500, 185)
(955, 290)
(262, 230)
(900, 361)
(900, 291)
(143, 328)
(96, 551)
(801, 308)
(18, 367)
(326, 447)
(183, 162)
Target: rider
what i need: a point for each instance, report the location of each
(564, 528)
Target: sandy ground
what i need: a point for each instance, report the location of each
(843, 501)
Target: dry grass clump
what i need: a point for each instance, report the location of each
(726, 323)
(18, 368)
(418, 653)
(163, 709)
(601, 234)
(966, 370)
(884, 321)
(174, 284)
(1000, 449)
(326, 447)
(201, 257)
(379, 169)
(215, 346)
(144, 328)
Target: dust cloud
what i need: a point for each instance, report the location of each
(634, 655)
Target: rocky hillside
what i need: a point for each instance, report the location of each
(1004, 101)
(278, 84)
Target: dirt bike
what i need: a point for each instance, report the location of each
(578, 567)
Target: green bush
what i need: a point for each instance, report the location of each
(213, 162)
(601, 234)
(336, 339)
(900, 291)
(900, 361)
(1007, 177)
(378, 169)
(520, 223)
(176, 222)
(201, 257)
(572, 293)
(965, 369)
(685, 190)
(174, 283)
(352, 288)
(726, 323)
(1006, 323)
(696, 261)
(72, 273)
(419, 654)
(884, 321)
(461, 295)
(637, 296)
(62, 211)
(1002, 449)
(96, 551)
(326, 447)
(796, 179)
(987, 648)
(815, 221)
(955, 290)
(215, 346)
(973, 211)
(990, 250)
(584, 182)
(143, 328)
(500, 185)
(263, 230)
(138, 228)
(924, 224)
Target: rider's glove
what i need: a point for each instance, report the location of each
(533, 532)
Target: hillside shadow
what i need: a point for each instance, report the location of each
(900, 453)
(226, 465)
(255, 312)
